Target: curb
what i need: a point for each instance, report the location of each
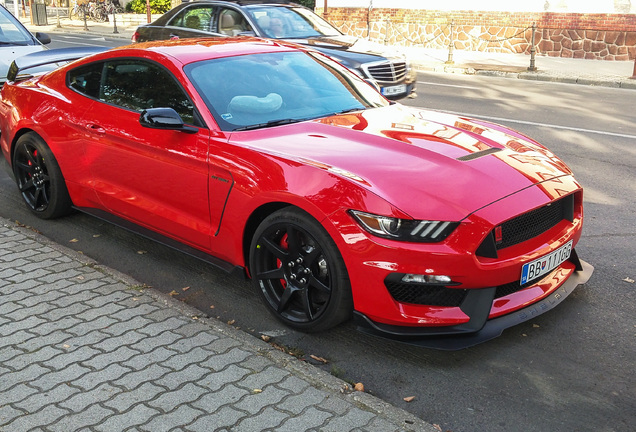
(600, 81)
(302, 370)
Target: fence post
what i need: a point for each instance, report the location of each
(533, 50)
(451, 45)
(634, 73)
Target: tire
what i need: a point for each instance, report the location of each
(39, 178)
(298, 271)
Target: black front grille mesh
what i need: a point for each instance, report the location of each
(528, 226)
(533, 223)
(426, 295)
(388, 72)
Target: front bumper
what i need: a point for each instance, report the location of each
(477, 306)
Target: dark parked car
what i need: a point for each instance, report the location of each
(288, 21)
(16, 41)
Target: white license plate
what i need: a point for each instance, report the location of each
(392, 90)
(546, 263)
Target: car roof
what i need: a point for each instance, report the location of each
(190, 50)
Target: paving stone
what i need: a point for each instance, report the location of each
(169, 400)
(25, 359)
(93, 379)
(309, 419)
(152, 373)
(225, 417)
(136, 416)
(47, 381)
(39, 400)
(80, 351)
(27, 422)
(14, 393)
(141, 361)
(26, 375)
(268, 419)
(77, 421)
(259, 399)
(216, 380)
(214, 400)
(180, 416)
(297, 403)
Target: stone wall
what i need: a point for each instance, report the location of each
(572, 35)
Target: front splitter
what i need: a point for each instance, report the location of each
(437, 338)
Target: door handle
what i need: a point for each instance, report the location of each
(96, 129)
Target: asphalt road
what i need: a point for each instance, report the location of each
(572, 369)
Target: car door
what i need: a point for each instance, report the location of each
(154, 177)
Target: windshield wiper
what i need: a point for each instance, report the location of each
(270, 123)
(349, 110)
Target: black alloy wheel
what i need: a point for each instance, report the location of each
(39, 178)
(298, 271)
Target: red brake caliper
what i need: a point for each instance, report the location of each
(285, 245)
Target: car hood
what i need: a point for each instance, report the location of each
(428, 164)
(350, 48)
(10, 53)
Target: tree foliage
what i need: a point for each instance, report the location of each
(156, 6)
(307, 3)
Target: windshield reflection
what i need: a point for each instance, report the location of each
(265, 90)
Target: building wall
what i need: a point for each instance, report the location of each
(603, 36)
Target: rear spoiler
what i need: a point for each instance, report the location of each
(48, 57)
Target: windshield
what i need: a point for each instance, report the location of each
(290, 22)
(11, 33)
(262, 90)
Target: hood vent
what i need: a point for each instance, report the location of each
(479, 154)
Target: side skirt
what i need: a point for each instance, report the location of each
(166, 241)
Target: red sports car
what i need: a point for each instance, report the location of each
(274, 159)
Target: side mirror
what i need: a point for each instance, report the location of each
(43, 38)
(164, 118)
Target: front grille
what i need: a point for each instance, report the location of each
(387, 72)
(528, 225)
(425, 294)
(511, 288)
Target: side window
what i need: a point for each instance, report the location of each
(195, 18)
(232, 22)
(138, 85)
(86, 79)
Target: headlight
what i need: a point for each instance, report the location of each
(423, 231)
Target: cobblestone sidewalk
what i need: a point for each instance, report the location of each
(84, 348)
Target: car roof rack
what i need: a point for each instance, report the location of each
(46, 57)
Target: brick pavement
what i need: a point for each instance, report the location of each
(85, 348)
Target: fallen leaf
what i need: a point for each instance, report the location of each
(319, 359)
(141, 252)
(628, 280)
(173, 293)
(66, 346)
(211, 306)
(96, 235)
(536, 325)
(256, 391)
(265, 338)
(80, 277)
(73, 240)
(359, 387)
(409, 399)
(438, 427)
(185, 288)
(230, 322)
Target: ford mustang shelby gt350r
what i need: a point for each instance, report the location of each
(274, 159)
